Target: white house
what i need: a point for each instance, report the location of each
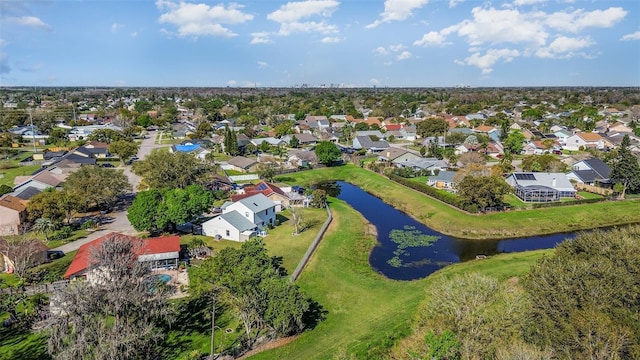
(257, 208)
(230, 226)
(242, 219)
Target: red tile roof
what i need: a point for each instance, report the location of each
(149, 246)
(262, 187)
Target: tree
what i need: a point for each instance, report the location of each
(255, 285)
(584, 297)
(22, 252)
(106, 136)
(625, 169)
(471, 158)
(432, 127)
(97, 186)
(327, 152)
(294, 142)
(543, 163)
(172, 170)
(58, 136)
(182, 205)
(120, 315)
(483, 191)
(47, 204)
(124, 149)
(514, 143)
(267, 171)
(319, 198)
(203, 131)
(143, 212)
(44, 226)
(230, 142)
(296, 219)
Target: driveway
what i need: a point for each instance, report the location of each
(116, 221)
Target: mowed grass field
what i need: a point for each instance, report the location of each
(367, 313)
(500, 225)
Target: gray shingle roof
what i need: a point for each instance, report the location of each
(257, 202)
(238, 221)
(599, 167)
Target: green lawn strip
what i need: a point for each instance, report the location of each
(281, 242)
(451, 221)
(366, 311)
(17, 344)
(10, 174)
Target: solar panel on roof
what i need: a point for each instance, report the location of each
(262, 186)
(525, 176)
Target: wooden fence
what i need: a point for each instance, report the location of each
(594, 189)
(36, 289)
(305, 259)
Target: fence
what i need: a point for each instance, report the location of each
(36, 289)
(307, 255)
(594, 189)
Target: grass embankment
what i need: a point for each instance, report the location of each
(366, 312)
(451, 221)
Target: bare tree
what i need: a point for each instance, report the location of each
(22, 253)
(296, 219)
(116, 314)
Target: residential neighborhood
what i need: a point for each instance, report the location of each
(182, 184)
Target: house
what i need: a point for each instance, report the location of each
(534, 148)
(230, 226)
(365, 142)
(28, 253)
(583, 140)
(302, 158)
(256, 208)
(42, 180)
(272, 192)
(541, 187)
(393, 154)
(13, 213)
(243, 219)
(590, 172)
(304, 139)
(93, 149)
(428, 164)
(445, 180)
(189, 148)
(269, 140)
(243, 164)
(158, 253)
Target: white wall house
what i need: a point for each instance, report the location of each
(257, 208)
(584, 140)
(230, 226)
(242, 219)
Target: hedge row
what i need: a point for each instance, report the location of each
(441, 195)
(567, 203)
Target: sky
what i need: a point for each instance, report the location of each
(346, 43)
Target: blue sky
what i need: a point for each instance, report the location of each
(264, 43)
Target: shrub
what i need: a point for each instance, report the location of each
(441, 195)
(62, 233)
(89, 224)
(7, 164)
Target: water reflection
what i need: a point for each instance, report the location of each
(419, 262)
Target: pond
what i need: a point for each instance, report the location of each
(401, 254)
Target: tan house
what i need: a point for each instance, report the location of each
(584, 140)
(13, 213)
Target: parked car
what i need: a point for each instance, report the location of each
(107, 165)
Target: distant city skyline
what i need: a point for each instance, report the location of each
(392, 43)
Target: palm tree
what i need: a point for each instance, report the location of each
(44, 225)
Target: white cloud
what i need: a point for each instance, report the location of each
(296, 11)
(397, 10)
(295, 17)
(432, 38)
(528, 2)
(397, 47)
(564, 47)
(454, 3)
(232, 83)
(580, 19)
(262, 65)
(632, 36)
(380, 50)
(404, 55)
(30, 21)
(374, 81)
(491, 57)
(202, 19)
(501, 26)
(115, 27)
(330, 40)
(260, 38)
(133, 34)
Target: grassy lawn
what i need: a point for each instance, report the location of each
(8, 175)
(420, 179)
(454, 222)
(588, 195)
(367, 313)
(17, 344)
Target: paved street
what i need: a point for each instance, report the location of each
(117, 221)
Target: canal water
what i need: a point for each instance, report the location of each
(418, 262)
